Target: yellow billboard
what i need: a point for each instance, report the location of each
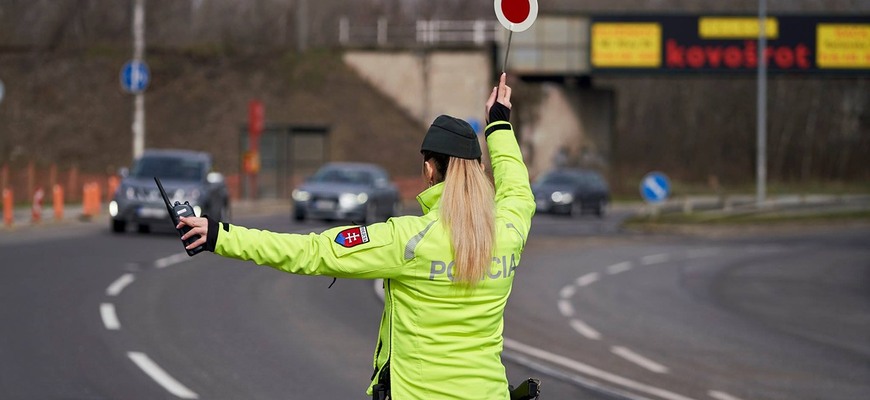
(843, 45)
(735, 28)
(626, 45)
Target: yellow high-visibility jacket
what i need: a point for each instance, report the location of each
(441, 342)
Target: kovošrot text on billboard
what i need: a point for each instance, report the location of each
(682, 43)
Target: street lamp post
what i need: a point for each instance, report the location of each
(761, 127)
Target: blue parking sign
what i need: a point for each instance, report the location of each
(135, 76)
(655, 187)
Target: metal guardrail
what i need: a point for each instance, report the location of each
(424, 32)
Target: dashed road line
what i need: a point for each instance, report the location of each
(584, 329)
(655, 259)
(566, 308)
(160, 376)
(171, 260)
(587, 279)
(567, 291)
(110, 319)
(619, 268)
(119, 284)
(719, 395)
(639, 360)
(588, 370)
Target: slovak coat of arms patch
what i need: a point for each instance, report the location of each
(352, 236)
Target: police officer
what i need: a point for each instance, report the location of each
(447, 274)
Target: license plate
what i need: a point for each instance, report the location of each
(148, 212)
(324, 204)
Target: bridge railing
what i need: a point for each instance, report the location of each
(424, 32)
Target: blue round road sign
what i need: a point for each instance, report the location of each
(135, 76)
(655, 187)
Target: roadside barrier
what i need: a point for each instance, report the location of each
(36, 208)
(91, 200)
(7, 207)
(57, 202)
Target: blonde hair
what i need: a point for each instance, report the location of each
(468, 210)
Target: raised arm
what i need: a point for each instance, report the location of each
(513, 193)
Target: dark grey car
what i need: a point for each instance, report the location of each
(571, 191)
(185, 175)
(356, 192)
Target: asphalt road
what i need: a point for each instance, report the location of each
(596, 313)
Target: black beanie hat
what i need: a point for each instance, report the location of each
(453, 137)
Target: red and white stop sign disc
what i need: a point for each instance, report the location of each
(516, 15)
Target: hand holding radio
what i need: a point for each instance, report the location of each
(193, 243)
(197, 227)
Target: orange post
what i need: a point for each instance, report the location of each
(57, 202)
(98, 199)
(87, 208)
(7, 207)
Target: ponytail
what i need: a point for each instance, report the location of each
(468, 210)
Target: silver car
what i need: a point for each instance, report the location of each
(356, 192)
(185, 175)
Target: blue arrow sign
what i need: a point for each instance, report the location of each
(655, 187)
(135, 76)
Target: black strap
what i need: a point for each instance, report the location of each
(496, 127)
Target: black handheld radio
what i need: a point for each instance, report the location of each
(175, 213)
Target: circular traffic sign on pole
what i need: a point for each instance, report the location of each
(135, 76)
(655, 187)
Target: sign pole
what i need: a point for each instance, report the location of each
(761, 128)
(139, 99)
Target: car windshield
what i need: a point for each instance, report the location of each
(342, 175)
(558, 178)
(165, 167)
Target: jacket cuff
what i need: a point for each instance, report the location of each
(497, 126)
(212, 235)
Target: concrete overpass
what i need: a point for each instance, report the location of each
(449, 66)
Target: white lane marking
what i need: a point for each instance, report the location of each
(639, 359)
(617, 268)
(721, 395)
(110, 319)
(160, 376)
(591, 371)
(587, 279)
(584, 329)
(567, 291)
(379, 288)
(119, 284)
(654, 259)
(173, 259)
(566, 308)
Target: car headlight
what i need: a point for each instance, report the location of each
(350, 200)
(113, 208)
(301, 195)
(562, 197)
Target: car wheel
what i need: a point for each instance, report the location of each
(118, 226)
(143, 228)
(599, 210)
(576, 209)
(299, 215)
(371, 213)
